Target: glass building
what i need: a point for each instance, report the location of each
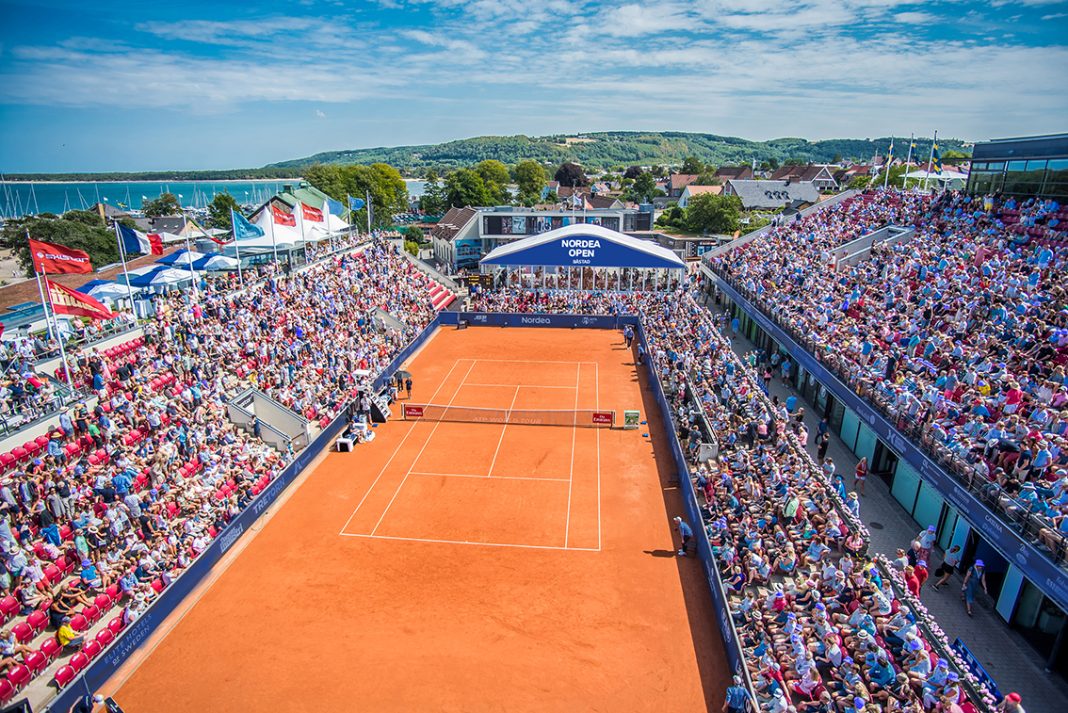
(1028, 166)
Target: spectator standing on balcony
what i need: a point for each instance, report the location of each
(975, 578)
(860, 475)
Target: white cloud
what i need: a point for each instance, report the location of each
(320, 114)
(915, 18)
(1055, 16)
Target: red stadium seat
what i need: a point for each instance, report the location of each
(53, 573)
(9, 606)
(116, 625)
(36, 662)
(20, 453)
(37, 620)
(78, 622)
(19, 676)
(66, 533)
(31, 447)
(102, 602)
(42, 441)
(79, 661)
(7, 690)
(64, 676)
(158, 585)
(92, 614)
(51, 649)
(92, 648)
(23, 632)
(105, 637)
(114, 593)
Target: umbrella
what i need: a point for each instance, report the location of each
(402, 374)
(181, 257)
(161, 276)
(214, 263)
(106, 290)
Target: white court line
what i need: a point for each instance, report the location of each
(536, 361)
(571, 475)
(504, 428)
(597, 407)
(485, 477)
(396, 451)
(467, 542)
(524, 386)
(425, 444)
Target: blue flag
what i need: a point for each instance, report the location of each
(355, 203)
(244, 230)
(334, 207)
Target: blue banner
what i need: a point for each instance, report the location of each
(976, 668)
(559, 321)
(587, 249)
(1032, 561)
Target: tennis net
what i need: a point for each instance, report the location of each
(573, 418)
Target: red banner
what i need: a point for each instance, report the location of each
(283, 218)
(57, 259)
(312, 214)
(413, 411)
(604, 417)
(67, 301)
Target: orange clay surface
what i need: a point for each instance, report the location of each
(463, 566)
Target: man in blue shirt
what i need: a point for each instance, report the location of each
(737, 700)
(685, 532)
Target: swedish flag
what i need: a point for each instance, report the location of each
(936, 160)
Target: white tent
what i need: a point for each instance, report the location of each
(945, 176)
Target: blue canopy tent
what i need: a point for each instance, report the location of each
(584, 256)
(161, 276)
(181, 257)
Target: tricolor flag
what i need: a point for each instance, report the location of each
(134, 241)
(281, 217)
(313, 214)
(58, 259)
(67, 301)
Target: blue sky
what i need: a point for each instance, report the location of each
(153, 85)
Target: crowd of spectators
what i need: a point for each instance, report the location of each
(824, 625)
(119, 497)
(959, 333)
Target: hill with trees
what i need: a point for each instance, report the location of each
(615, 149)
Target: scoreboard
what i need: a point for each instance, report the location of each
(484, 282)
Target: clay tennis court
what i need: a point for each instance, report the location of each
(461, 566)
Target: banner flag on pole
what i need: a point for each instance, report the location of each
(936, 159)
(243, 229)
(313, 214)
(134, 241)
(67, 301)
(333, 207)
(280, 217)
(58, 260)
(356, 203)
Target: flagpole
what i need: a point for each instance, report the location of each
(274, 243)
(929, 160)
(122, 257)
(303, 237)
(908, 162)
(40, 290)
(59, 336)
(189, 259)
(237, 249)
(368, 214)
(889, 158)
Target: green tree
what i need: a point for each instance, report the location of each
(708, 178)
(433, 201)
(414, 234)
(860, 181)
(530, 177)
(388, 191)
(79, 229)
(644, 187)
(166, 204)
(692, 165)
(709, 213)
(219, 210)
(411, 247)
(495, 176)
(464, 187)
